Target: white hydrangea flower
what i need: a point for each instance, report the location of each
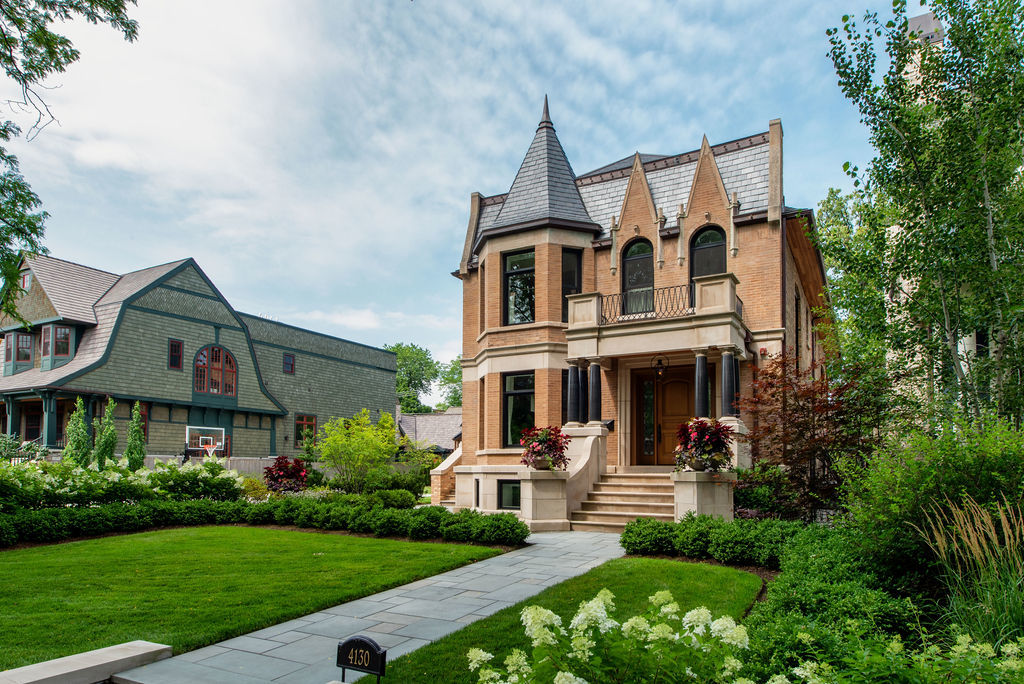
(538, 622)
(568, 678)
(812, 673)
(1010, 665)
(722, 625)
(661, 598)
(736, 636)
(697, 620)
(963, 644)
(731, 666)
(477, 657)
(662, 632)
(1010, 649)
(517, 664)
(636, 628)
(670, 610)
(778, 679)
(581, 645)
(743, 680)
(593, 613)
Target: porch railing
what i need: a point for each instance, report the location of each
(644, 304)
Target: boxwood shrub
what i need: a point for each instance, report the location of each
(355, 514)
(739, 542)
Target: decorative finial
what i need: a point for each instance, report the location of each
(545, 118)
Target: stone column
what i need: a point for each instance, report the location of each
(584, 398)
(595, 392)
(700, 404)
(728, 384)
(572, 411)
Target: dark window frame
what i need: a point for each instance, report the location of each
(575, 288)
(288, 364)
(634, 305)
(301, 420)
(8, 347)
(221, 368)
(44, 340)
(57, 329)
(501, 499)
(700, 250)
(170, 354)
(507, 275)
(18, 347)
(506, 442)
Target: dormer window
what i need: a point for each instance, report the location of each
(23, 349)
(215, 372)
(62, 341)
(26, 280)
(707, 252)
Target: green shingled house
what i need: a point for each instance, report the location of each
(165, 336)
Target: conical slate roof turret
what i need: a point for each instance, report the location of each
(544, 191)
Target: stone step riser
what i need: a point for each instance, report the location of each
(637, 497)
(667, 490)
(604, 516)
(581, 526)
(641, 480)
(628, 507)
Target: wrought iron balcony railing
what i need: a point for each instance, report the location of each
(647, 303)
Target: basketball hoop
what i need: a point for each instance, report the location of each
(211, 447)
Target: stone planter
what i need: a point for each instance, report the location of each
(703, 493)
(542, 500)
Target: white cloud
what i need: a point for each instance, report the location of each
(317, 157)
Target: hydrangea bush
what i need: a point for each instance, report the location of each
(40, 484)
(660, 645)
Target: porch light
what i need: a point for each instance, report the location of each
(660, 365)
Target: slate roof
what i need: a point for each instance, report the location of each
(78, 289)
(742, 163)
(544, 189)
(71, 288)
(292, 337)
(929, 28)
(433, 429)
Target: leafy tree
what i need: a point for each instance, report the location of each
(417, 370)
(351, 447)
(78, 446)
(135, 448)
(106, 436)
(936, 223)
(450, 378)
(803, 421)
(30, 52)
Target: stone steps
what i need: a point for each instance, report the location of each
(619, 498)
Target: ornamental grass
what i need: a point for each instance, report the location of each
(981, 552)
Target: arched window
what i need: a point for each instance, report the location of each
(638, 277)
(707, 252)
(215, 372)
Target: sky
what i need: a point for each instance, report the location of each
(316, 158)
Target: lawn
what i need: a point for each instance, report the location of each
(195, 586)
(723, 590)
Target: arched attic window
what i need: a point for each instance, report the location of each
(215, 372)
(638, 277)
(707, 252)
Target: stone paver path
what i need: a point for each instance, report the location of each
(400, 620)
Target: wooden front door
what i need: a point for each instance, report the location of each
(660, 406)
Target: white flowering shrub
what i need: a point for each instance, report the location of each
(660, 645)
(39, 484)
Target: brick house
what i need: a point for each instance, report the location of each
(621, 303)
(166, 337)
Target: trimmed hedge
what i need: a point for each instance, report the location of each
(740, 542)
(366, 514)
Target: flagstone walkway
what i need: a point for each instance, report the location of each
(401, 619)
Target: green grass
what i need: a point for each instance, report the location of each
(192, 587)
(723, 590)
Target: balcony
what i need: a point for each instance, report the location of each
(704, 313)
